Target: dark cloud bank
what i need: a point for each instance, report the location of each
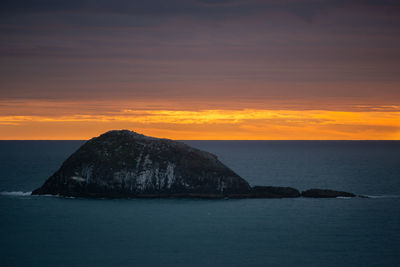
(205, 48)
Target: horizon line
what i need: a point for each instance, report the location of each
(215, 139)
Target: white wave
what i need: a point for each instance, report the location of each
(344, 197)
(15, 193)
(384, 196)
(24, 194)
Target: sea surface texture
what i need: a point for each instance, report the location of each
(56, 231)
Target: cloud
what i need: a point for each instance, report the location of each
(200, 8)
(278, 50)
(245, 123)
(28, 119)
(242, 117)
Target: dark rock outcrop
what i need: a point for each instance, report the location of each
(273, 192)
(124, 164)
(325, 193)
(127, 164)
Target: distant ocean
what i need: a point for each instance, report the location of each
(55, 231)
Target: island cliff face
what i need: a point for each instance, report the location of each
(127, 164)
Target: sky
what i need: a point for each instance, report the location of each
(200, 69)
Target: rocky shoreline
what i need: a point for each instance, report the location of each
(125, 164)
(272, 193)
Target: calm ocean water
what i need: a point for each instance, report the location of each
(54, 231)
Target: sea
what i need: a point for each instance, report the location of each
(58, 231)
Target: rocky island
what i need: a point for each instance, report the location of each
(125, 164)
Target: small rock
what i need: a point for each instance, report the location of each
(273, 192)
(325, 193)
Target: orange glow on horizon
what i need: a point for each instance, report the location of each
(375, 123)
